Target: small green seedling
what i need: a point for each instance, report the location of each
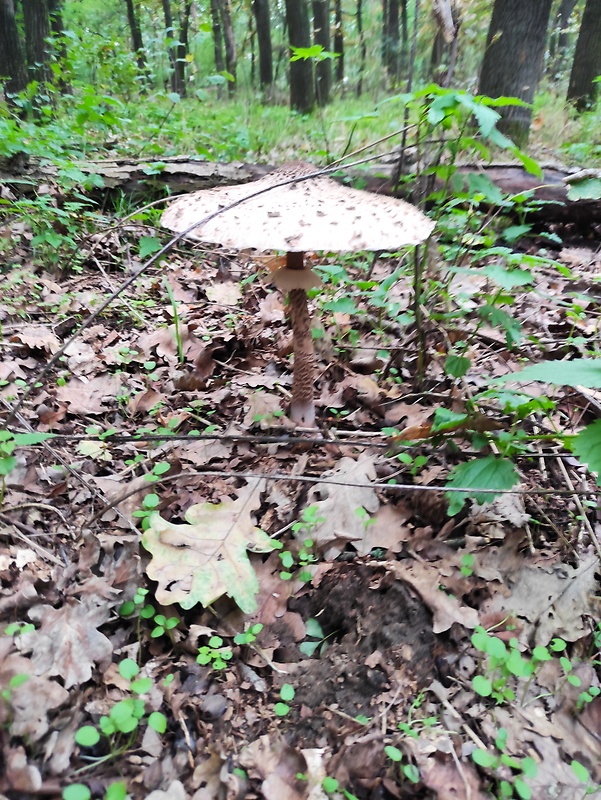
(315, 631)
(249, 635)
(520, 768)
(122, 722)
(287, 695)
(410, 771)
(214, 654)
(18, 628)
(150, 504)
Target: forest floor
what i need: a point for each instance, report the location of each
(370, 676)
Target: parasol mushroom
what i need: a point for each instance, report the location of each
(295, 212)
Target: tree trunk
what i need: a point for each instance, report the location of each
(173, 46)
(339, 40)
(183, 46)
(362, 47)
(260, 10)
(587, 58)
(560, 37)
(37, 31)
(229, 41)
(133, 19)
(391, 39)
(12, 63)
(321, 36)
(55, 10)
(302, 87)
(217, 40)
(513, 60)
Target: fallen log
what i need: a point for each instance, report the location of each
(179, 174)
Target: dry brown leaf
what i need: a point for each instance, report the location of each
(344, 507)
(37, 337)
(226, 294)
(68, 642)
(22, 777)
(387, 529)
(426, 579)
(89, 397)
(206, 557)
(553, 597)
(31, 701)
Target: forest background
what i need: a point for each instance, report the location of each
(140, 390)
(240, 64)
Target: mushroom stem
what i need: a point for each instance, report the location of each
(302, 408)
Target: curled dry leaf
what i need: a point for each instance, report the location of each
(206, 557)
(68, 642)
(344, 507)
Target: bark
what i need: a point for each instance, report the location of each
(260, 10)
(513, 60)
(137, 43)
(12, 63)
(230, 44)
(217, 40)
(183, 47)
(303, 378)
(339, 40)
(560, 36)
(37, 31)
(362, 47)
(391, 39)
(302, 87)
(173, 46)
(587, 58)
(55, 10)
(321, 36)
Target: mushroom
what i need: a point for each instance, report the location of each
(294, 210)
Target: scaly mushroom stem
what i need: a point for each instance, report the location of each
(302, 407)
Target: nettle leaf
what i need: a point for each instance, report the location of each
(491, 472)
(205, 558)
(587, 446)
(507, 278)
(148, 245)
(587, 189)
(579, 372)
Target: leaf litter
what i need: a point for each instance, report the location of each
(394, 588)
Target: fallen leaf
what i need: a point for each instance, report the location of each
(446, 609)
(89, 397)
(68, 642)
(554, 597)
(226, 294)
(343, 508)
(206, 558)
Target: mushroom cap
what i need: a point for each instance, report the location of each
(313, 214)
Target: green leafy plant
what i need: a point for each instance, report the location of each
(410, 771)
(287, 693)
(511, 772)
(214, 654)
(249, 635)
(120, 725)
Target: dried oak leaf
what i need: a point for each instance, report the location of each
(343, 508)
(206, 558)
(67, 643)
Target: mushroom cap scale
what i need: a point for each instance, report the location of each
(313, 214)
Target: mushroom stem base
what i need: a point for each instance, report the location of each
(302, 407)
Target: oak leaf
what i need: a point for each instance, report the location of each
(205, 558)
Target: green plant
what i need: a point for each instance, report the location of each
(511, 771)
(214, 653)
(120, 725)
(410, 771)
(315, 631)
(331, 786)
(505, 663)
(287, 693)
(249, 635)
